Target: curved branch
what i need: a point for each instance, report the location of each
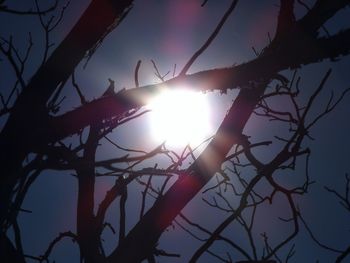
(210, 39)
(5, 9)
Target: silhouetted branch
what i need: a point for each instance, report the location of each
(204, 3)
(315, 239)
(345, 254)
(220, 237)
(286, 18)
(144, 193)
(51, 246)
(160, 76)
(57, 69)
(296, 43)
(80, 94)
(136, 74)
(5, 9)
(320, 13)
(210, 39)
(217, 79)
(122, 217)
(48, 26)
(344, 199)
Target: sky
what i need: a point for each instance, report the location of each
(169, 32)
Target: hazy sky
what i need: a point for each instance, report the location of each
(169, 32)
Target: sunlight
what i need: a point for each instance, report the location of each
(180, 117)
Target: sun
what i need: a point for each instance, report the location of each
(180, 117)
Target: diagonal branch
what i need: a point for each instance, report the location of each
(210, 39)
(30, 107)
(148, 230)
(304, 52)
(322, 11)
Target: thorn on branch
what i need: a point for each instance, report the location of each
(110, 89)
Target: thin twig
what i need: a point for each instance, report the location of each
(210, 39)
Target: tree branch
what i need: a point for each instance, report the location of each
(217, 79)
(210, 39)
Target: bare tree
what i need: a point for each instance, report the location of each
(232, 179)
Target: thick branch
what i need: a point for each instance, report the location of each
(30, 107)
(304, 51)
(320, 13)
(148, 230)
(87, 232)
(286, 17)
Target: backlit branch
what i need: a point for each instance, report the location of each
(210, 39)
(217, 79)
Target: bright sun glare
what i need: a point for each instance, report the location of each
(180, 117)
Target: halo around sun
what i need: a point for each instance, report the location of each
(180, 117)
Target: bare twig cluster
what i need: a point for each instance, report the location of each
(231, 177)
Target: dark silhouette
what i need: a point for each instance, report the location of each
(36, 110)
